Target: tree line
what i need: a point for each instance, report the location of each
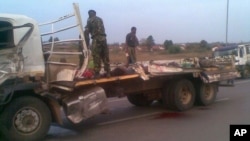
(168, 45)
(149, 42)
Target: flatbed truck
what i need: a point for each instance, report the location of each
(39, 82)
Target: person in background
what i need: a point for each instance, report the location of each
(131, 43)
(100, 52)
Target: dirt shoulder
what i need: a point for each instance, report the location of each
(119, 56)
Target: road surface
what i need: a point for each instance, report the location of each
(129, 123)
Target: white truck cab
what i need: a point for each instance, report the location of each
(241, 54)
(20, 45)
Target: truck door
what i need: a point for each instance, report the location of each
(248, 54)
(242, 55)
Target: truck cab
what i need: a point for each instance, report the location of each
(27, 70)
(241, 55)
(20, 45)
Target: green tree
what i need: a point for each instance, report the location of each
(50, 39)
(174, 49)
(203, 44)
(55, 39)
(167, 44)
(150, 42)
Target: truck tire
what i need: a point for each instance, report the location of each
(139, 99)
(179, 95)
(245, 74)
(26, 118)
(166, 96)
(206, 94)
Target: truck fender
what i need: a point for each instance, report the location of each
(55, 108)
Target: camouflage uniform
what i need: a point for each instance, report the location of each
(100, 50)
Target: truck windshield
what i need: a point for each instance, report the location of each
(6, 35)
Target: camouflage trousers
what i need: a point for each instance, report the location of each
(100, 53)
(131, 55)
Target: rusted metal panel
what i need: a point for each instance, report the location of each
(80, 83)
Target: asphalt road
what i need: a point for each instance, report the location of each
(129, 123)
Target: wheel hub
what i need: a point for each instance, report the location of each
(185, 96)
(208, 92)
(26, 120)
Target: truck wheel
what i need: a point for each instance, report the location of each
(139, 99)
(26, 118)
(167, 96)
(206, 94)
(180, 95)
(245, 73)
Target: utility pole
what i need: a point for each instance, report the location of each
(227, 22)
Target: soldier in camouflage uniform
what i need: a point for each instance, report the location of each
(100, 50)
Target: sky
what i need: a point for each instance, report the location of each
(181, 21)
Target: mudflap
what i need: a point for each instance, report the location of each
(84, 104)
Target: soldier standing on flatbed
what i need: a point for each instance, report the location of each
(131, 43)
(100, 50)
